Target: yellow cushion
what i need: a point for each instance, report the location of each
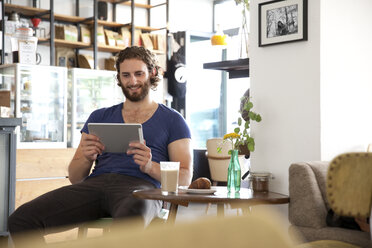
(326, 244)
(257, 229)
(349, 184)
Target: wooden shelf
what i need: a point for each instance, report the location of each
(109, 49)
(44, 13)
(24, 10)
(138, 5)
(70, 44)
(106, 23)
(67, 18)
(82, 45)
(64, 43)
(30, 12)
(116, 49)
(42, 40)
(149, 29)
(236, 68)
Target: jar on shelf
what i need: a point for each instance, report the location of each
(24, 46)
(260, 181)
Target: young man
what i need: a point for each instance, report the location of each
(107, 191)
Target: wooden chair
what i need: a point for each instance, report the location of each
(103, 223)
(106, 223)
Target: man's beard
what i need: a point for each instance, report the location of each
(136, 97)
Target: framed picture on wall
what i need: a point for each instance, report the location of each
(282, 21)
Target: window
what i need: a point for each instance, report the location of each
(203, 93)
(213, 100)
(226, 14)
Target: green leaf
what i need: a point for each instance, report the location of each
(258, 119)
(251, 147)
(237, 130)
(239, 121)
(219, 149)
(246, 125)
(249, 105)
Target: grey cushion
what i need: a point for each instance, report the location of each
(354, 237)
(320, 171)
(307, 207)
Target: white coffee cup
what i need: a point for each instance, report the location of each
(169, 176)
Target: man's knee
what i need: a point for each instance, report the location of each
(16, 221)
(22, 229)
(23, 219)
(13, 223)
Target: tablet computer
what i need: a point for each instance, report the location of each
(116, 136)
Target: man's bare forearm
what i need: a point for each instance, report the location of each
(79, 169)
(185, 176)
(180, 150)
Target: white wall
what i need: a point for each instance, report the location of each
(346, 76)
(314, 96)
(286, 92)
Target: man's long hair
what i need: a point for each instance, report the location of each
(143, 54)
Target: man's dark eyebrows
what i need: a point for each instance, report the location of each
(126, 72)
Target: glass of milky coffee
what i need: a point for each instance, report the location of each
(169, 176)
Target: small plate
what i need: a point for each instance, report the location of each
(197, 191)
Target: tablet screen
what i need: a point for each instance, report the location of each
(116, 136)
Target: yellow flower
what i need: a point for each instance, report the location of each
(231, 136)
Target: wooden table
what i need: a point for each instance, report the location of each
(246, 197)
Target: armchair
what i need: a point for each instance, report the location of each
(309, 205)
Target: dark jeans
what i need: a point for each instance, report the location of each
(101, 196)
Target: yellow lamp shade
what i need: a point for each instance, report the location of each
(219, 39)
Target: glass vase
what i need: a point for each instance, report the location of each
(234, 173)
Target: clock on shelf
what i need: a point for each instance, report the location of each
(180, 73)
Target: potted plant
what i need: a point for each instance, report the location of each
(245, 143)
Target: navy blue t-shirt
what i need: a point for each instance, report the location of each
(165, 126)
